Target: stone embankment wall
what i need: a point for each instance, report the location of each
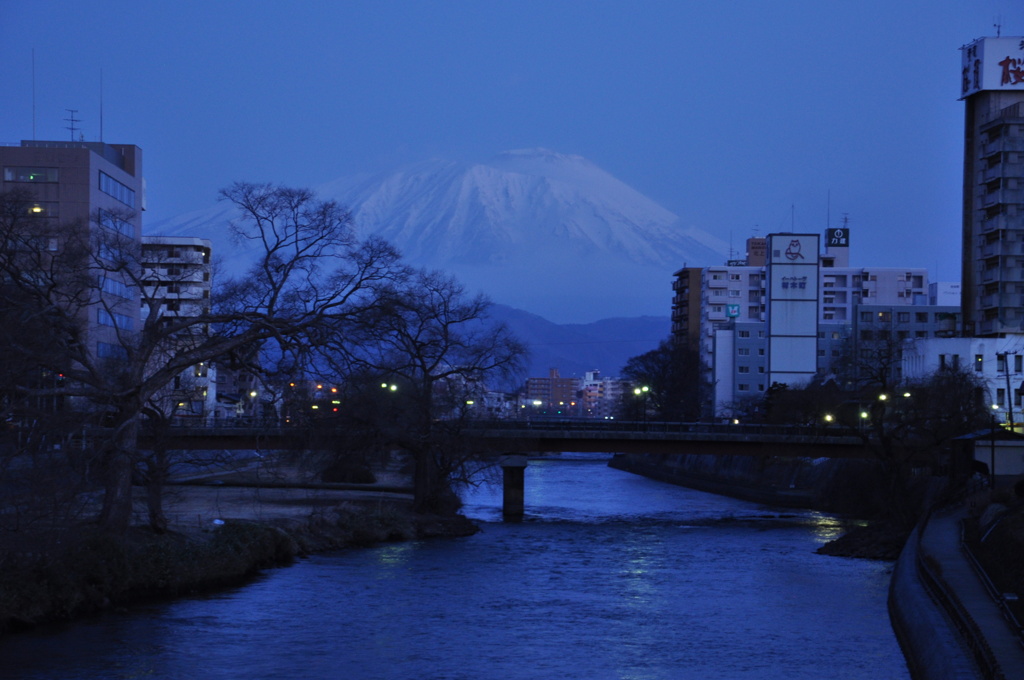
(932, 648)
(841, 486)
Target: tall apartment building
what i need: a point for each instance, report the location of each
(176, 278)
(992, 256)
(89, 186)
(992, 88)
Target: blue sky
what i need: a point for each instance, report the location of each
(737, 116)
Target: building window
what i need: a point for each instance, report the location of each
(43, 209)
(743, 387)
(979, 363)
(743, 351)
(760, 352)
(117, 288)
(744, 369)
(111, 187)
(106, 350)
(1018, 364)
(122, 321)
(116, 224)
(30, 174)
(903, 317)
(921, 317)
(743, 334)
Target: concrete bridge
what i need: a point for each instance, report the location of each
(512, 441)
(516, 439)
(544, 436)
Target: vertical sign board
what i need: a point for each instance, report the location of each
(838, 237)
(792, 309)
(992, 64)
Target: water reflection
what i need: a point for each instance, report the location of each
(656, 582)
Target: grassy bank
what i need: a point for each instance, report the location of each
(89, 571)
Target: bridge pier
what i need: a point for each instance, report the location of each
(513, 501)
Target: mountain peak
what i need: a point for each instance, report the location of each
(535, 229)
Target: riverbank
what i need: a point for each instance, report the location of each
(220, 534)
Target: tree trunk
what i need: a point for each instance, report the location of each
(156, 477)
(119, 461)
(425, 482)
(116, 514)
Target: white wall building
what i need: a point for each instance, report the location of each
(842, 307)
(176, 281)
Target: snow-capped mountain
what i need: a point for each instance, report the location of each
(545, 232)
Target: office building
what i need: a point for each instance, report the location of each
(98, 189)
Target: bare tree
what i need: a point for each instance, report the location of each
(673, 374)
(436, 344)
(310, 269)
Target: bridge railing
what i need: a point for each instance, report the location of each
(657, 426)
(554, 424)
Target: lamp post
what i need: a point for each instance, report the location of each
(642, 392)
(992, 450)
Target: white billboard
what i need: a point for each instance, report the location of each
(992, 64)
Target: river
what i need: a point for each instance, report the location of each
(611, 575)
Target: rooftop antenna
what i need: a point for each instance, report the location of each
(101, 105)
(998, 26)
(71, 119)
(33, 94)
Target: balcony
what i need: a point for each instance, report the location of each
(1002, 144)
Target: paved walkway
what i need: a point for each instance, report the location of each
(941, 541)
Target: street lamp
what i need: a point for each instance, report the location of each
(992, 450)
(642, 392)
